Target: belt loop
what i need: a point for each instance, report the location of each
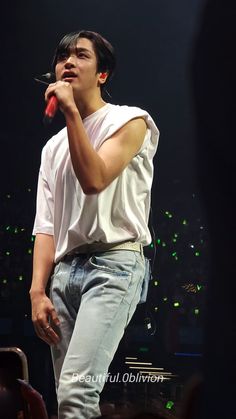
(141, 251)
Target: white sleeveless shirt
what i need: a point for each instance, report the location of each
(117, 214)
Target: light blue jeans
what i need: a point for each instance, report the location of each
(95, 297)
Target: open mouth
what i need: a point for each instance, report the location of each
(68, 76)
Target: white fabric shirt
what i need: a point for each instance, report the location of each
(118, 213)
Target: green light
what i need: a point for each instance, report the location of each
(174, 240)
(8, 228)
(29, 190)
(165, 299)
(156, 308)
(20, 277)
(169, 404)
(8, 196)
(184, 222)
(29, 251)
(8, 253)
(32, 238)
(4, 281)
(176, 235)
(158, 241)
(197, 253)
(199, 287)
(196, 311)
(143, 349)
(156, 283)
(174, 254)
(163, 244)
(176, 304)
(15, 230)
(151, 245)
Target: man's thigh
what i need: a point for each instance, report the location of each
(110, 292)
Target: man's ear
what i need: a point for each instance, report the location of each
(102, 77)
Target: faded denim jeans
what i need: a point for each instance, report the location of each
(95, 297)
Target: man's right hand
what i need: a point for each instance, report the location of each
(45, 319)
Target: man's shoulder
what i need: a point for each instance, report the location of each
(56, 140)
(126, 110)
(121, 114)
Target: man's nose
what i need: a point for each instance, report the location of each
(70, 62)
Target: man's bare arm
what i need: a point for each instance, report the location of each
(43, 262)
(43, 310)
(95, 170)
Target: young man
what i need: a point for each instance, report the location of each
(91, 223)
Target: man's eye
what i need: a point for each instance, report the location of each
(82, 55)
(62, 56)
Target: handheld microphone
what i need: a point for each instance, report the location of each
(50, 110)
(52, 104)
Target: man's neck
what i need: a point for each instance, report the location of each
(89, 105)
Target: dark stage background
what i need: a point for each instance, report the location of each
(154, 42)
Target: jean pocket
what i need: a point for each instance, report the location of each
(119, 262)
(56, 269)
(54, 273)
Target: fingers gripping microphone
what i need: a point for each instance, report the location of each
(50, 110)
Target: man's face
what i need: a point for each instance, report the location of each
(78, 66)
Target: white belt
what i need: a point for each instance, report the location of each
(106, 247)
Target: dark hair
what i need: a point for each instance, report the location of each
(104, 51)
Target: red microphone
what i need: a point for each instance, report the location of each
(50, 110)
